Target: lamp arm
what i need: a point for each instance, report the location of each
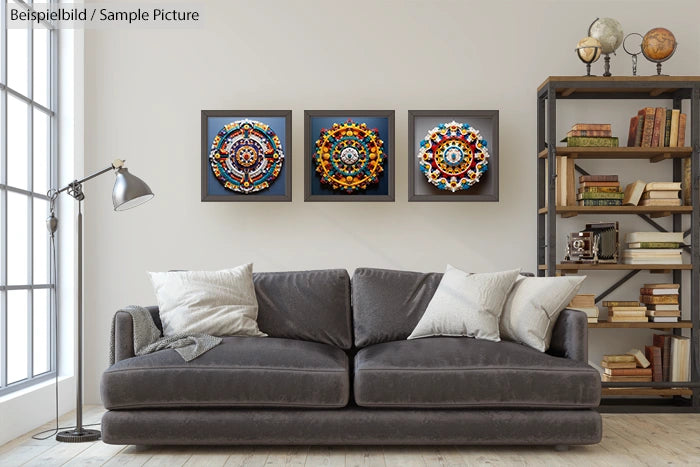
(117, 164)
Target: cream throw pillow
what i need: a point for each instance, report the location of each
(466, 305)
(533, 307)
(220, 303)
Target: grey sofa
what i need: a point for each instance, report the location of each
(332, 372)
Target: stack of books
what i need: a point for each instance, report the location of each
(661, 194)
(585, 303)
(657, 127)
(661, 301)
(630, 367)
(675, 358)
(626, 312)
(591, 135)
(653, 248)
(599, 190)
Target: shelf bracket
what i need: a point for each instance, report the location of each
(660, 157)
(617, 284)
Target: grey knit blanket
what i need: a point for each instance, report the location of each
(147, 337)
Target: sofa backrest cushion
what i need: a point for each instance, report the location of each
(387, 304)
(306, 305)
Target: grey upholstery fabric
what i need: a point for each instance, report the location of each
(306, 305)
(570, 336)
(351, 426)
(459, 372)
(387, 304)
(242, 371)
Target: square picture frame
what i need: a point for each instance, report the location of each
(280, 123)
(420, 122)
(381, 120)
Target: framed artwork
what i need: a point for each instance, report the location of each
(453, 155)
(246, 155)
(349, 155)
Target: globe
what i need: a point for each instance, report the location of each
(658, 44)
(588, 49)
(609, 32)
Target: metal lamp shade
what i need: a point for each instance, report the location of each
(129, 191)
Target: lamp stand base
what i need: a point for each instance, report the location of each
(78, 436)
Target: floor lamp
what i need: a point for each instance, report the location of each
(129, 191)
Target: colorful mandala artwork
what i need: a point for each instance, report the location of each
(349, 157)
(246, 156)
(453, 156)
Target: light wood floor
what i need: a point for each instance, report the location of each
(627, 440)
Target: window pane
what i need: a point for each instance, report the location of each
(18, 59)
(42, 324)
(17, 139)
(41, 242)
(41, 152)
(16, 335)
(41, 66)
(17, 238)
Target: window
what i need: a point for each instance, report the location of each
(27, 171)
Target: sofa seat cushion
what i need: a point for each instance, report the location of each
(240, 372)
(461, 372)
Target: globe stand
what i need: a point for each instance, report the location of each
(659, 62)
(591, 59)
(607, 65)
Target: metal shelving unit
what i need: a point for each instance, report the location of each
(626, 397)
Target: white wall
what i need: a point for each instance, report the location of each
(144, 91)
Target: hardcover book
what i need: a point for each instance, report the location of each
(640, 128)
(663, 341)
(614, 365)
(651, 245)
(628, 319)
(600, 184)
(598, 133)
(664, 307)
(663, 319)
(662, 286)
(667, 129)
(657, 135)
(633, 193)
(648, 130)
(597, 178)
(675, 117)
(619, 358)
(628, 371)
(659, 299)
(665, 314)
(633, 237)
(673, 186)
(599, 189)
(628, 379)
(681, 130)
(677, 259)
(609, 303)
(680, 359)
(660, 202)
(591, 141)
(602, 195)
(661, 194)
(634, 122)
(592, 126)
(600, 202)
(639, 356)
(646, 291)
(653, 354)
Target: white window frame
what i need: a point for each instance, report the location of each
(51, 112)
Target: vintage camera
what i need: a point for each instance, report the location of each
(597, 243)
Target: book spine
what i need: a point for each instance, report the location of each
(606, 184)
(648, 126)
(659, 299)
(634, 121)
(599, 189)
(591, 141)
(644, 291)
(597, 178)
(652, 245)
(592, 126)
(600, 202)
(673, 141)
(656, 135)
(617, 195)
(681, 130)
(605, 133)
(640, 128)
(667, 128)
(610, 303)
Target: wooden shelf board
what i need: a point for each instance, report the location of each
(649, 325)
(617, 267)
(640, 392)
(652, 154)
(653, 85)
(654, 211)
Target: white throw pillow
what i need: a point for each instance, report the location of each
(466, 305)
(533, 307)
(220, 303)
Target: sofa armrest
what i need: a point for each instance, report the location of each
(570, 336)
(124, 333)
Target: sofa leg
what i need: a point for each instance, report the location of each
(561, 447)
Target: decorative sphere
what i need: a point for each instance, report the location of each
(588, 49)
(658, 44)
(609, 32)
